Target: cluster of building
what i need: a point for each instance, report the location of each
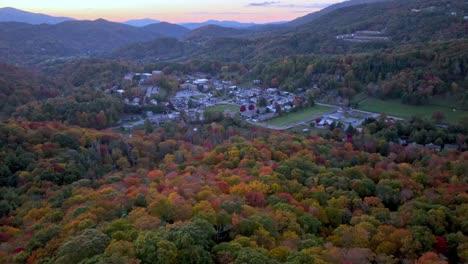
(347, 117)
(251, 105)
(431, 146)
(197, 93)
(364, 36)
(437, 9)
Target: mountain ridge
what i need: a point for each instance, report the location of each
(28, 43)
(141, 22)
(10, 14)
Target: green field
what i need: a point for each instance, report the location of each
(359, 97)
(396, 108)
(223, 107)
(303, 115)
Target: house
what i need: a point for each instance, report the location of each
(433, 147)
(129, 77)
(189, 86)
(272, 90)
(157, 73)
(416, 145)
(136, 101)
(345, 36)
(271, 108)
(201, 81)
(248, 110)
(451, 147)
(152, 90)
(325, 122)
(402, 142)
(369, 32)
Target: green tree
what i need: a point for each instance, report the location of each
(76, 249)
(311, 100)
(148, 126)
(262, 102)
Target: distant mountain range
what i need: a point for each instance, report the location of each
(312, 16)
(141, 22)
(229, 24)
(167, 30)
(215, 31)
(8, 14)
(28, 43)
(315, 33)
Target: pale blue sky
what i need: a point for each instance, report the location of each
(173, 10)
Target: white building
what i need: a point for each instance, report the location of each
(200, 81)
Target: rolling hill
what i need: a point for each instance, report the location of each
(19, 86)
(167, 30)
(141, 22)
(396, 22)
(159, 49)
(8, 14)
(25, 43)
(213, 31)
(432, 21)
(313, 16)
(228, 24)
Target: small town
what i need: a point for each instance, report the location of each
(255, 104)
(234, 132)
(197, 95)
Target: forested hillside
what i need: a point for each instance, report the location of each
(72, 93)
(435, 20)
(20, 86)
(31, 44)
(340, 137)
(223, 197)
(398, 22)
(159, 49)
(412, 73)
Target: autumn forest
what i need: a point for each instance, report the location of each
(339, 137)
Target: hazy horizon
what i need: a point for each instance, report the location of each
(176, 11)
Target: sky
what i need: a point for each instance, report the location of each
(175, 11)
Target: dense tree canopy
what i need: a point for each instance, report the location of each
(227, 196)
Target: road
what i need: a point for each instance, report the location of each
(278, 128)
(310, 119)
(314, 118)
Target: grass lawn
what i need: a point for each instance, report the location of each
(311, 130)
(359, 97)
(223, 107)
(198, 97)
(303, 115)
(396, 108)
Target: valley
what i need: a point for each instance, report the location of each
(340, 136)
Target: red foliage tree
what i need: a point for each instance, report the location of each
(441, 245)
(256, 199)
